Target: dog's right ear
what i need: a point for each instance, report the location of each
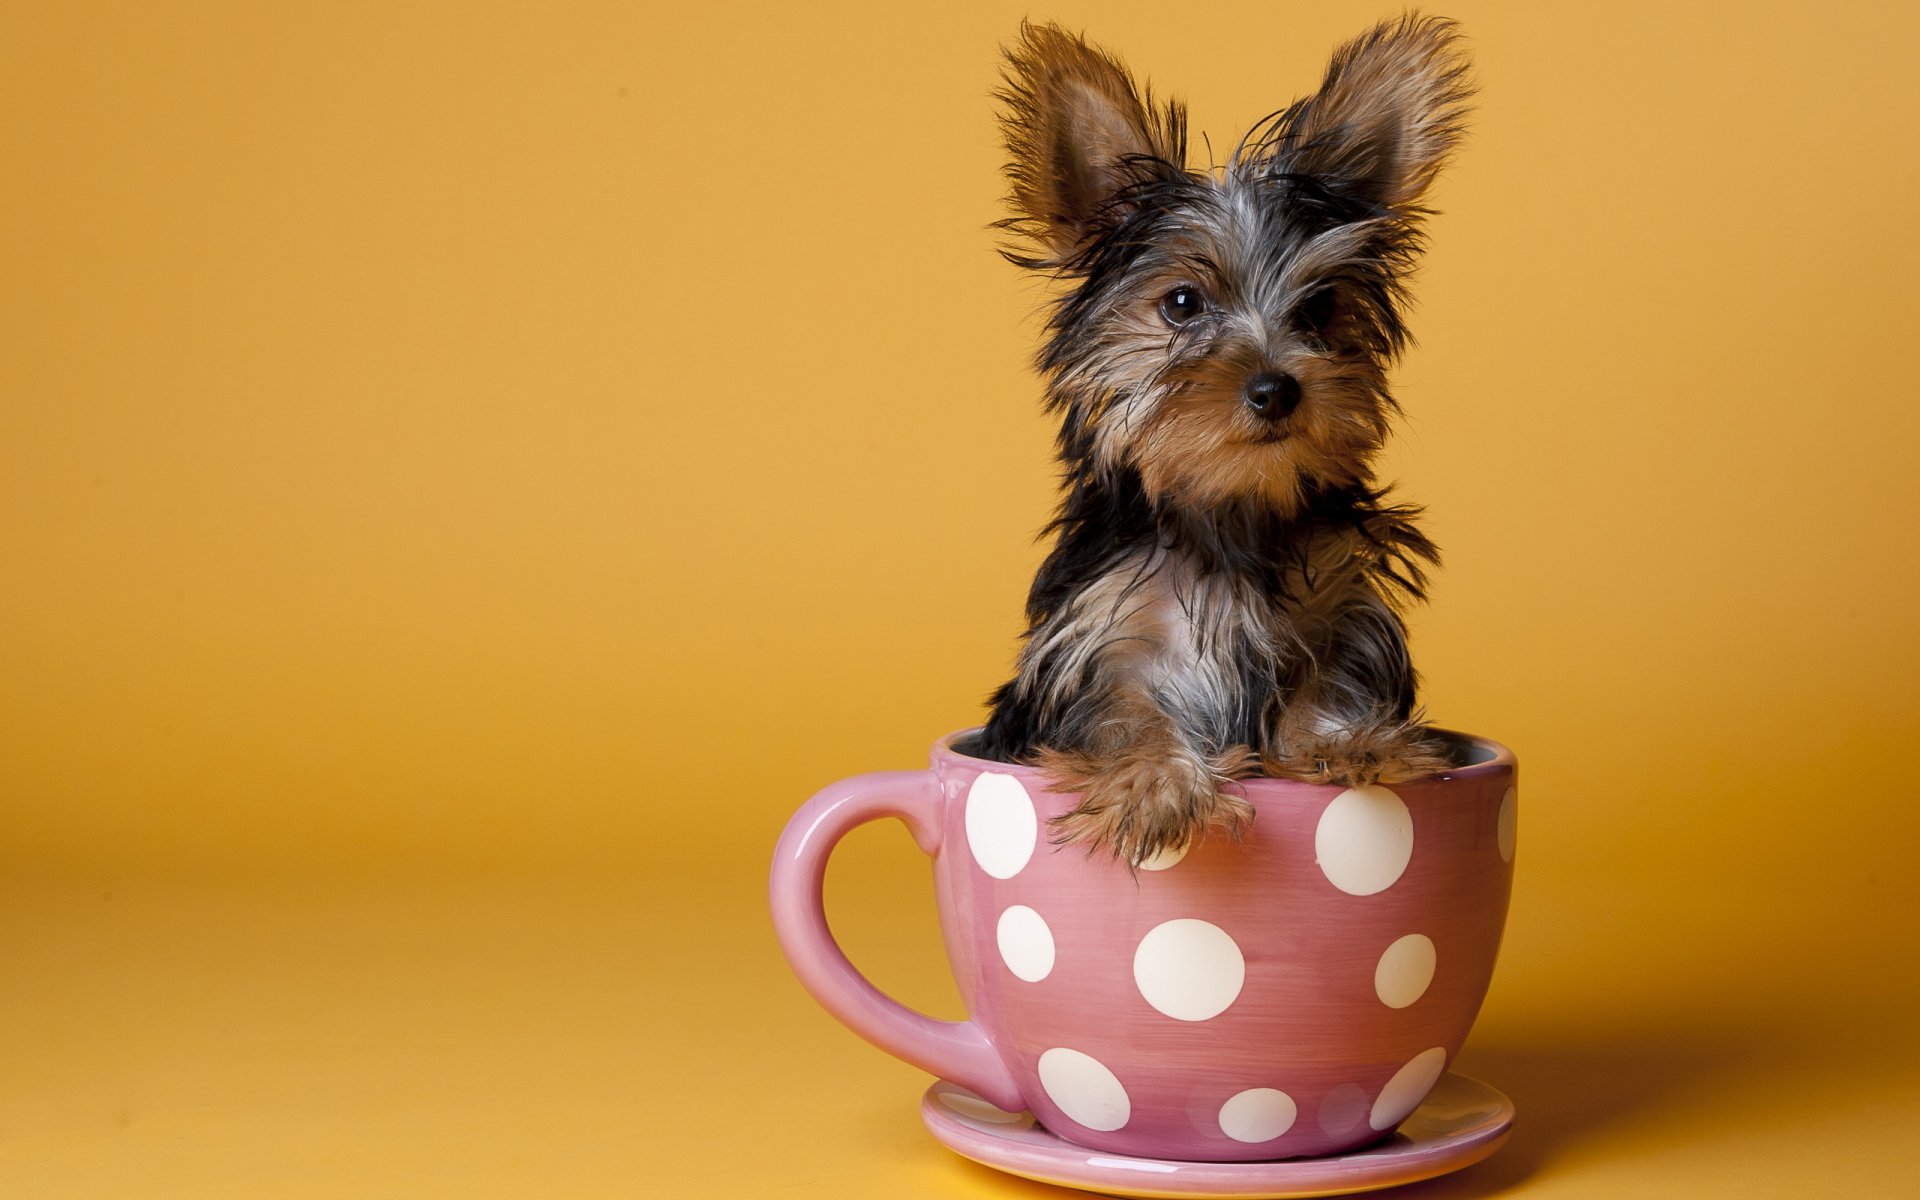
(1079, 133)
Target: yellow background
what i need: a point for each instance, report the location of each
(468, 472)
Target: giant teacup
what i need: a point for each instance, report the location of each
(1296, 992)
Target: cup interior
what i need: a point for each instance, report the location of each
(1463, 750)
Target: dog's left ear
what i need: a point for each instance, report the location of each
(1391, 109)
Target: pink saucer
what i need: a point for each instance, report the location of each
(1461, 1122)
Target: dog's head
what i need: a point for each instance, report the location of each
(1226, 332)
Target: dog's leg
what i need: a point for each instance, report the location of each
(1350, 718)
(1115, 698)
(1145, 784)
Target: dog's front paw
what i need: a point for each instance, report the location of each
(1385, 750)
(1137, 805)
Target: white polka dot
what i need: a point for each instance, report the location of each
(1342, 1110)
(1026, 944)
(1001, 826)
(1364, 840)
(1257, 1115)
(1509, 823)
(1164, 859)
(1408, 1087)
(1405, 970)
(1189, 969)
(1084, 1089)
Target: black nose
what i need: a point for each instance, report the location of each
(1273, 395)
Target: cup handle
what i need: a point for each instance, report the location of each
(957, 1051)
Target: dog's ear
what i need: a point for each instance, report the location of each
(1078, 133)
(1391, 109)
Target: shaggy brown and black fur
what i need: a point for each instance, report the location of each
(1221, 598)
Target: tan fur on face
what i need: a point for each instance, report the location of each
(1204, 447)
(1185, 425)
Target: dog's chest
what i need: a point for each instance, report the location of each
(1210, 639)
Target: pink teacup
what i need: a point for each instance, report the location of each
(1295, 993)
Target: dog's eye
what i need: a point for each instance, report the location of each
(1316, 310)
(1181, 305)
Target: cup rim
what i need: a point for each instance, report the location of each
(1501, 761)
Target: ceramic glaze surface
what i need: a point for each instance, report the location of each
(1296, 993)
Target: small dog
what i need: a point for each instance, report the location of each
(1222, 596)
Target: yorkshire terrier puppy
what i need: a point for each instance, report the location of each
(1222, 596)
